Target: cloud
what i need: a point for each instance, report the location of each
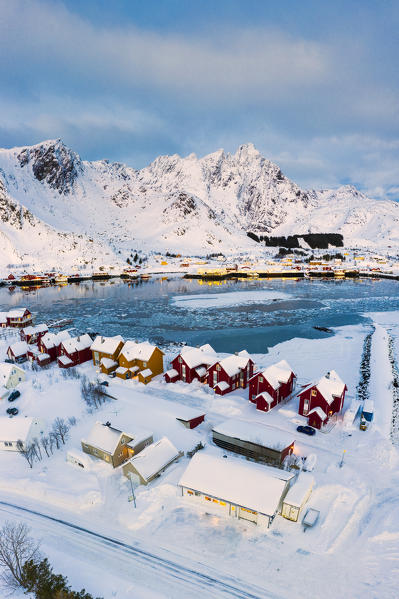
(322, 108)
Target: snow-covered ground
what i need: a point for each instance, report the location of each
(352, 552)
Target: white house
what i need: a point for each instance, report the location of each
(11, 375)
(234, 488)
(152, 461)
(13, 430)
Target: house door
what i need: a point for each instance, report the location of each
(96, 358)
(242, 380)
(305, 407)
(215, 378)
(183, 372)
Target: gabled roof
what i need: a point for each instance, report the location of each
(196, 356)
(39, 328)
(138, 351)
(154, 458)
(319, 412)
(234, 364)
(19, 348)
(50, 340)
(17, 313)
(106, 345)
(104, 437)
(277, 374)
(330, 386)
(242, 483)
(16, 429)
(266, 397)
(3, 317)
(74, 344)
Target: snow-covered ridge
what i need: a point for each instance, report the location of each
(185, 205)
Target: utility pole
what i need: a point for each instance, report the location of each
(132, 497)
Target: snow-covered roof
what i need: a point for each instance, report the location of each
(41, 357)
(255, 432)
(201, 371)
(278, 373)
(15, 429)
(3, 317)
(65, 360)
(137, 351)
(233, 364)
(196, 356)
(331, 386)
(319, 412)
(146, 372)
(186, 413)
(104, 437)
(300, 490)
(266, 397)
(106, 345)
(6, 370)
(50, 340)
(172, 373)
(17, 313)
(108, 363)
(242, 483)
(222, 386)
(154, 458)
(121, 370)
(39, 328)
(139, 436)
(79, 343)
(19, 348)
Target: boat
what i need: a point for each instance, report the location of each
(61, 279)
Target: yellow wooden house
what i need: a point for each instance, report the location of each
(141, 360)
(105, 352)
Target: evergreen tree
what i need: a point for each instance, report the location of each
(38, 578)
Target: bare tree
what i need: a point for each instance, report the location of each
(55, 440)
(16, 548)
(36, 448)
(45, 442)
(26, 451)
(61, 429)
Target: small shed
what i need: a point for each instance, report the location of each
(297, 496)
(152, 461)
(188, 416)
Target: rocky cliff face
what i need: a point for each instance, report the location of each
(186, 205)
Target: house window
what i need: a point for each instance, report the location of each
(217, 367)
(189, 492)
(208, 498)
(180, 359)
(314, 392)
(261, 379)
(197, 493)
(123, 441)
(144, 364)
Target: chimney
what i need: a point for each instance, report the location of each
(102, 339)
(328, 375)
(79, 339)
(236, 353)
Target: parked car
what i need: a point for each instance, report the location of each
(9, 361)
(14, 395)
(105, 383)
(12, 411)
(306, 430)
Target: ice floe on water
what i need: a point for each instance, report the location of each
(232, 298)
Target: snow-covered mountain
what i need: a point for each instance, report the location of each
(57, 209)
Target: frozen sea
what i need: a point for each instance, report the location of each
(250, 314)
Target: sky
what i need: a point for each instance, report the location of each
(314, 85)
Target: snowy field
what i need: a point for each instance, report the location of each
(352, 552)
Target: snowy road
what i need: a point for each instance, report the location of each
(158, 574)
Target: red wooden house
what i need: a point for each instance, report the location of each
(230, 373)
(18, 351)
(319, 401)
(50, 343)
(74, 351)
(191, 364)
(270, 387)
(20, 317)
(32, 334)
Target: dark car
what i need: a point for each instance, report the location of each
(307, 430)
(12, 411)
(14, 395)
(105, 383)
(9, 361)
